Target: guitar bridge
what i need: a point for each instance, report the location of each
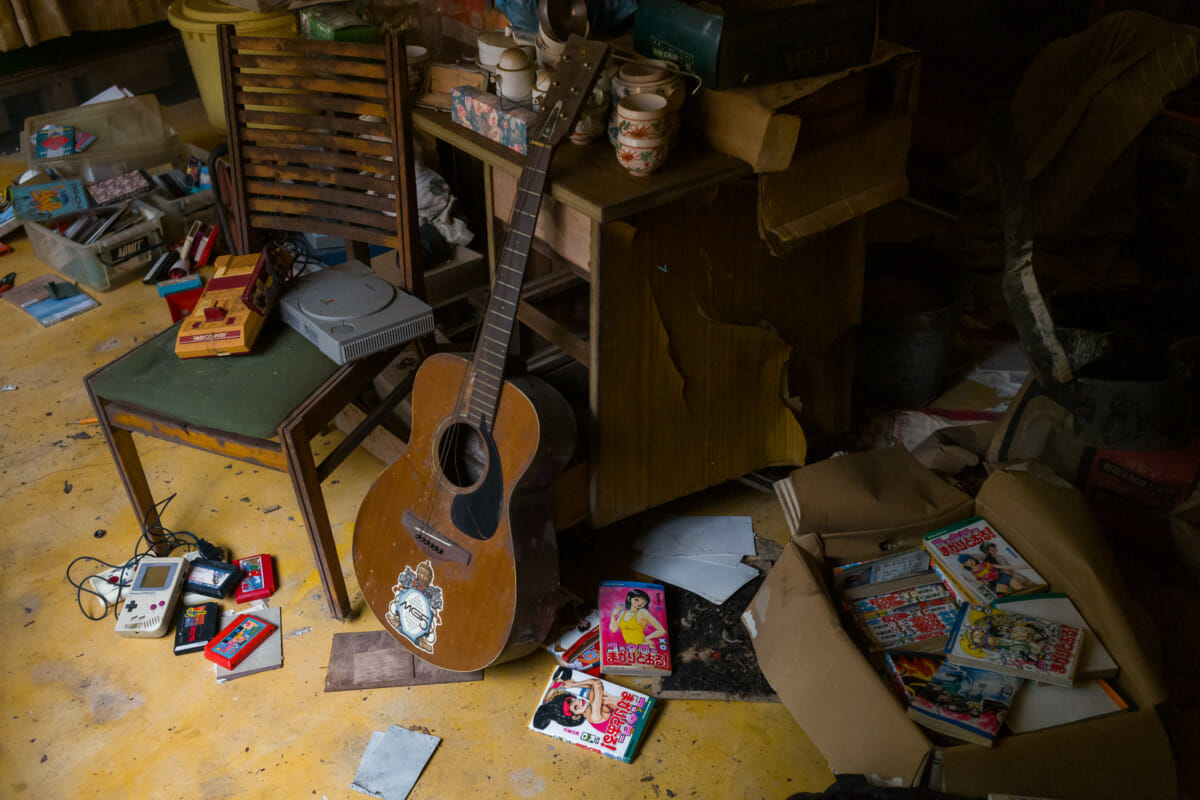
(433, 542)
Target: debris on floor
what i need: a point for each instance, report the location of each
(393, 762)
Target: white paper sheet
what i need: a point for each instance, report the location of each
(713, 582)
(697, 536)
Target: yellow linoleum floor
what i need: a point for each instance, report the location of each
(91, 714)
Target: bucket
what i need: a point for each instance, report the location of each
(197, 21)
(912, 303)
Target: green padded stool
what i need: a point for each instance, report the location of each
(263, 408)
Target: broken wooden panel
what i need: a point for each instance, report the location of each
(690, 384)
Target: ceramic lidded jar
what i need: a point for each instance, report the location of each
(515, 75)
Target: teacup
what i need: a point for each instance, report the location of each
(642, 116)
(549, 49)
(592, 120)
(641, 156)
(418, 59)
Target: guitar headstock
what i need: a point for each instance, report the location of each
(570, 87)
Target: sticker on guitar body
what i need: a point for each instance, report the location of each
(416, 607)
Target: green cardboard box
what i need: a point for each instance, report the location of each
(755, 43)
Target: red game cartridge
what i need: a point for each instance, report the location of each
(238, 640)
(258, 578)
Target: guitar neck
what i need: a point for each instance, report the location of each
(496, 332)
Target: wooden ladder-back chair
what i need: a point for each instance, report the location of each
(319, 142)
(322, 143)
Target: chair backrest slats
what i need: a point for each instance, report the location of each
(319, 141)
(319, 66)
(314, 191)
(368, 184)
(329, 103)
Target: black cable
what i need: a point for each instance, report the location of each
(162, 535)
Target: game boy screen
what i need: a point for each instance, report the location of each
(156, 577)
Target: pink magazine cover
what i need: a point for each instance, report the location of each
(633, 629)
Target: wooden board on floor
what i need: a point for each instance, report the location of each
(374, 660)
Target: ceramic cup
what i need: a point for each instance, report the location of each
(549, 49)
(641, 156)
(418, 60)
(642, 116)
(592, 120)
(541, 86)
(489, 45)
(515, 75)
(648, 77)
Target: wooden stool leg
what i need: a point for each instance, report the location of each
(294, 437)
(129, 467)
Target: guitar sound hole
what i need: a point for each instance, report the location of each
(462, 455)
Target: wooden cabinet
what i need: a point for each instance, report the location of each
(701, 347)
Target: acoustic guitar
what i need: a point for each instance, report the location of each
(453, 546)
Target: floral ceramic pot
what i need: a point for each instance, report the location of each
(641, 156)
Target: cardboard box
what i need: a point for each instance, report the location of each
(762, 125)
(848, 712)
(485, 114)
(757, 41)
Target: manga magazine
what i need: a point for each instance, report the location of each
(963, 702)
(975, 559)
(592, 713)
(633, 629)
(920, 626)
(1016, 644)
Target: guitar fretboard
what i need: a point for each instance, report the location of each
(496, 332)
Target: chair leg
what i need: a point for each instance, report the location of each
(129, 467)
(295, 437)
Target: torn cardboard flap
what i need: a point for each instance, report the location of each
(755, 125)
(1053, 528)
(865, 504)
(815, 668)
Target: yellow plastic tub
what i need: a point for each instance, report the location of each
(197, 20)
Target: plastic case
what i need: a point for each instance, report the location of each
(131, 133)
(106, 263)
(180, 212)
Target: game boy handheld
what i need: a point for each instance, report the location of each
(146, 606)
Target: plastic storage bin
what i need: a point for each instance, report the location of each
(197, 21)
(131, 133)
(180, 212)
(109, 262)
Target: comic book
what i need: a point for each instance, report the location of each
(633, 629)
(878, 604)
(884, 574)
(1016, 644)
(908, 671)
(54, 141)
(45, 201)
(919, 626)
(592, 713)
(578, 646)
(964, 702)
(1094, 661)
(977, 560)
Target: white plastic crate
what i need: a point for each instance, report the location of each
(107, 262)
(131, 133)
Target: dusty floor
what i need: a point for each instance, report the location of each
(91, 714)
